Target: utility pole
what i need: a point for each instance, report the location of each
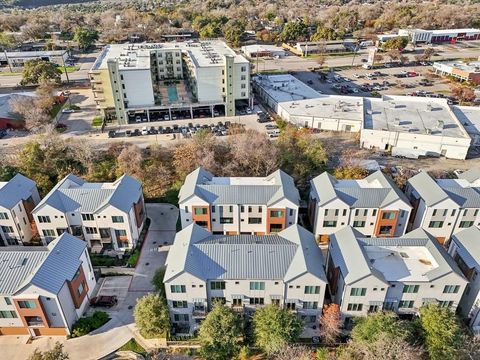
(65, 68)
(8, 61)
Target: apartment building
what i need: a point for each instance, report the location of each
(105, 215)
(443, 206)
(239, 205)
(374, 206)
(399, 274)
(144, 82)
(244, 272)
(44, 290)
(465, 252)
(18, 197)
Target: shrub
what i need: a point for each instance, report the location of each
(87, 324)
(133, 259)
(101, 260)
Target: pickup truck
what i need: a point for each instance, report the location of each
(103, 301)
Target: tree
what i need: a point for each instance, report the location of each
(330, 324)
(233, 32)
(274, 328)
(7, 41)
(56, 353)
(394, 54)
(397, 43)
(39, 71)
(130, 161)
(441, 331)
(354, 172)
(220, 333)
(293, 353)
(85, 38)
(151, 316)
(35, 117)
(463, 93)
(294, 31)
(368, 328)
(157, 281)
(428, 53)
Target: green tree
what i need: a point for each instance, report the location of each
(85, 38)
(233, 32)
(368, 328)
(151, 316)
(274, 328)
(294, 31)
(397, 43)
(7, 41)
(157, 281)
(441, 331)
(220, 333)
(56, 353)
(38, 71)
(324, 33)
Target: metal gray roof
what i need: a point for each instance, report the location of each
(468, 246)
(470, 175)
(17, 189)
(427, 188)
(464, 197)
(288, 254)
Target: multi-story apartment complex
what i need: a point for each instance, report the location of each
(465, 252)
(18, 197)
(239, 205)
(108, 215)
(244, 272)
(44, 290)
(399, 274)
(443, 206)
(143, 82)
(374, 206)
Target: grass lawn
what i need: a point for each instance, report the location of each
(97, 121)
(10, 73)
(132, 345)
(55, 109)
(69, 69)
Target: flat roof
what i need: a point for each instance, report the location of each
(469, 116)
(261, 47)
(471, 67)
(424, 116)
(285, 87)
(29, 54)
(137, 56)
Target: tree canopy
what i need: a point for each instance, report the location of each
(85, 38)
(38, 71)
(396, 43)
(151, 316)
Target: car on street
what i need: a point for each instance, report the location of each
(144, 130)
(67, 111)
(111, 134)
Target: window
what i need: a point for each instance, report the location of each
(465, 212)
(374, 212)
(330, 223)
(260, 209)
(179, 304)
(119, 233)
(386, 229)
(405, 304)
(87, 217)
(48, 232)
(186, 209)
(243, 77)
(344, 213)
(230, 208)
(3, 216)
(43, 219)
(213, 209)
(243, 68)
(254, 220)
(451, 289)
(217, 285)
(359, 224)
(356, 212)
(435, 224)
(290, 212)
(237, 302)
(310, 304)
(276, 213)
(453, 212)
(226, 220)
(257, 301)
(466, 224)
(242, 209)
(290, 305)
(410, 289)
(445, 304)
(312, 290)
(336, 212)
(243, 86)
(354, 307)
(8, 314)
(7, 229)
(358, 291)
(8, 301)
(445, 212)
(325, 212)
(178, 288)
(200, 211)
(117, 219)
(27, 304)
(90, 230)
(365, 212)
(475, 213)
(180, 317)
(389, 215)
(434, 212)
(80, 289)
(388, 305)
(257, 285)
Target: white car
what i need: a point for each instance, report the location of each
(67, 111)
(249, 111)
(166, 117)
(144, 131)
(356, 76)
(138, 118)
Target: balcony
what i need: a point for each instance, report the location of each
(240, 309)
(199, 313)
(96, 81)
(34, 321)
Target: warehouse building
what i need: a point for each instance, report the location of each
(433, 36)
(263, 50)
(144, 82)
(16, 59)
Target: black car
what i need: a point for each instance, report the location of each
(152, 130)
(136, 132)
(128, 133)
(176, 129)
(111, 134)
(3, 133)
(168, 130)
(161, 130)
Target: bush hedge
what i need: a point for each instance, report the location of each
(87, 324)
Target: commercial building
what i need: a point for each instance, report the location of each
(464, 71)
(305, 48)
(144, 82)
(400, 274)
(16, 59)
(433, 36)
(413, 127)
(9, 119)
(44, 290)
(374, 206)
(105, 215)
(444, 206)
(18, 197)
(239, 205)
(244, 272)
(465, 252)
(469, 116)
(263, 50)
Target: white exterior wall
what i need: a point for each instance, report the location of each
(449, 220)
(375, 293)
(58, 220)
(402, 222)
(186, 216)
(319, 122)
(12, 322)
(237, 82)
(138, 87)
(319, 229)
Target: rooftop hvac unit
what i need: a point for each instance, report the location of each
(369, 112)
(428, 131)
(440, 124)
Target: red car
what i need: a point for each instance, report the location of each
(103, 301)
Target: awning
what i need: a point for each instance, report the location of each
(391, 300)
(199, 300)
(429, 301)
(375, 303)
(279, 297)
(237, 296)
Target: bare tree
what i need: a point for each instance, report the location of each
(130, 161)
(330, 324)
(294, 352)
(32, 111)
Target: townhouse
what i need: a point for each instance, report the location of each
(18, 197)
(374, 206)
(239, 205)
(400, 274)
(244, 272)
(44, 290)
(465, 251)
(105, 215)
(443, 206)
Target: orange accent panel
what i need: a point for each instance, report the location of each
(276, 220)
(231, 233)
(441, 239)
(37, 311)
(203, 217)
(73, 286)
(13, 331)
(51, 331)
(324, 239)
(386, 222)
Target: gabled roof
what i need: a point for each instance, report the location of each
(357, 194)
(468, 242)
(470, 175)
(74, 194)
(286, 255)
(217, 191)
(427, 188)
(17, 189)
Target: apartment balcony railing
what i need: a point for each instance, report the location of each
(199, 313)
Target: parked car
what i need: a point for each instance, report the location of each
(166, 117)
(67, 111)
(128, 133)
(104, 301)
(144, 130)
(136, 132)
(152, 130)
(138, 119)
(111, 134)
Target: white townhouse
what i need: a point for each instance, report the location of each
(399, 274)
(465, 251)
(443, 206)
(374, 206)
(239, 205)
(18, 197)
(44, 290)
(105, 215)
(244, 272)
